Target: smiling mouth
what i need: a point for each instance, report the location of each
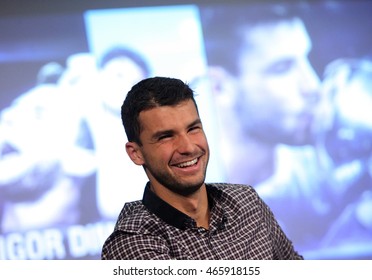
(188, 163)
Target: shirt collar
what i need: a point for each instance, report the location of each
(168, 213)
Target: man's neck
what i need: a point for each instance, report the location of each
(195, 205)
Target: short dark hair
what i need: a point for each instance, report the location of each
(122, 51)
(150, 93)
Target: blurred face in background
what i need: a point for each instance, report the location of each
(277, 86)
(348, 84)
(119, 75)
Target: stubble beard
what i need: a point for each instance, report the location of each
(174, 184)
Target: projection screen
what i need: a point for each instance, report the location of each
(284, 90)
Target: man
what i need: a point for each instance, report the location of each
(268, 92)
(273, 89)
(181, 216)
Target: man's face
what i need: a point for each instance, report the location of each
(277, 86)
(174, 147)
(118, 76)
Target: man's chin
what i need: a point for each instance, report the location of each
(186, 189)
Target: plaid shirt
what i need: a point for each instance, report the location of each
(241, 227)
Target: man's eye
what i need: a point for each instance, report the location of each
(165, 136)
(280, 67)
(195, 128)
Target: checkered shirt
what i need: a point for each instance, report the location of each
(241, 227)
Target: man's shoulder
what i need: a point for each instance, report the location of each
(238, 200)
(231, 188)
(132, 207)
(132, 217)
(239, 192)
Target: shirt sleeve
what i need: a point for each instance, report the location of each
(283, 248)
(128, 246)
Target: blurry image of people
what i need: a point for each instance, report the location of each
(268, 93)
(303, 143)
(60, 162)
(347, 140)
(117, 179)
(43, 166)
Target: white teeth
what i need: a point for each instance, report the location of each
(189, 163)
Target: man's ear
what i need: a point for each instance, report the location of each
(222, 85)
(134, 152)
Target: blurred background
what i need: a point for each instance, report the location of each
(284, 90)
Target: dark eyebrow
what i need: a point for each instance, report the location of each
(197, 121)
(161, 133)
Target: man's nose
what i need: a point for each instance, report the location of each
(309, 83)
(184, 144)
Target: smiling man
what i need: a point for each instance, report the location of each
(181, 216)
